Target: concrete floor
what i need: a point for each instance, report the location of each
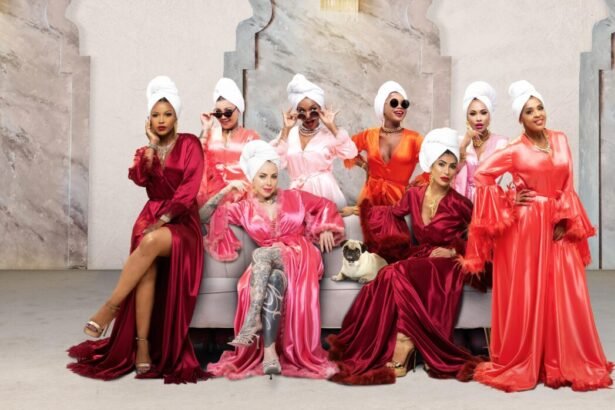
(42, 313)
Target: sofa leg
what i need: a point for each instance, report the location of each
(487, 331)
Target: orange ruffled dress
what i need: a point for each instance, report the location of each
(542, 325)
(386, 181)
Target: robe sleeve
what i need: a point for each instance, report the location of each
(360, 142)
(493, 210)
(385, 230)
(344, 147)
(321, 215)
(281, 147)
(142, 169)
(570, 210)
(185, 194)
(220, 241)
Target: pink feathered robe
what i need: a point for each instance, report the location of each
(300, 219)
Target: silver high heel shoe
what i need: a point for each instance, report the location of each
(272, 367)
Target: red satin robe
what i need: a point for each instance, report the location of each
(171, 190)
(418, 296)
(543, 327)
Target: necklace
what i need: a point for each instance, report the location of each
(546, 150)
(306, 132)
(432, 203)
(481, 141)
(227, 135)
(163, 150)
(386, 130)
(268, 201)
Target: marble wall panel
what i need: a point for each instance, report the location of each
(349, 56)
(44, 110)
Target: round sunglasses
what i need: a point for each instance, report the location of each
(395, 102)
(228, 113)
(311, 113)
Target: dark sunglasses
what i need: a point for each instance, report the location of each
(312, 113)
(227, 113)
(395, 102)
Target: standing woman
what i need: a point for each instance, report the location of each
(412, 304)
(392, 151)
(543, 327)
(278, 295)
(478, 142)
(223, 142)
(156, 292)
(308, 150)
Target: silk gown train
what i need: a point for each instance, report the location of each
(171, 190)
(311, 168)
(222, 162)
(543, 326)
(299, 220)
(418, 296)
(386, 181)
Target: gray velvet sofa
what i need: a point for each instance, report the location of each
(217, 299)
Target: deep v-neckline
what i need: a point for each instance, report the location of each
(425, 225)
(393, 151)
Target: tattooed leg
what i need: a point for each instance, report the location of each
(271, 318)
(264, 260)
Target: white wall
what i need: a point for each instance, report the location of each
(498, 41)
(501, 41)
(130, 42)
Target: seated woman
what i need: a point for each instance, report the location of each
(308, 150)
(160, 280)
(278, 293)
(223, 142)
(412, 304)
(392, 151)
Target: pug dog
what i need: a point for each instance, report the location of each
(358, 264)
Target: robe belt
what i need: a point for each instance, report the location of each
(299, 182)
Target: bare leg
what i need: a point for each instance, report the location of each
(271, 318)
(264, 260)
(144, 303)
(153, 245)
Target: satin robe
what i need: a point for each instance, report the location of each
(387, 181)
(171, 190)
(464, 180)
(300, 219)
(222, 162)
(418, 296)
(311, 168)
(543, 327)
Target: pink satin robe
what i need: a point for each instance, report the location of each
(543, 327)
(222, 162)
(311, 168)
(300, 219)
(464, 180)
(171, 190)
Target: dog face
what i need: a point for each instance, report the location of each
(352, 250)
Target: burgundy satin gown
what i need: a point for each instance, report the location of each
(418, 296)
(171, 190)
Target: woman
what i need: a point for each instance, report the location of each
(222, 144)
(543, 328)
(412, 304)
(392, 151)
(278, 293)
(160, 280)
(478, 142)
(308, 150)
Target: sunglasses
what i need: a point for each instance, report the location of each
(303, 115)
(228, 113)
(395, 102)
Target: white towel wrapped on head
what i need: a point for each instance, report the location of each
(521, 91)
(254, 155)
(163, 87)
(383, 93)
(482, 91)
(227, 89)
(299, 88)
(436, 143)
